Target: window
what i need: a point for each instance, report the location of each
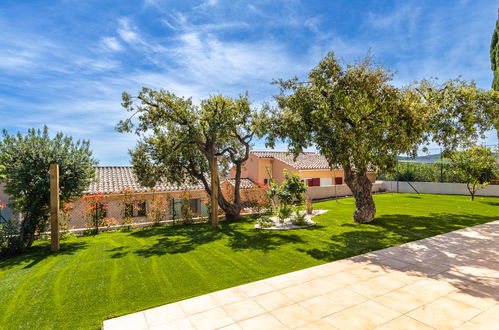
(137, 209)
(101, 210)
(194, 204)
(314, 182)
(266, 181)
(141, 209)
(338, 180)
(128, 210)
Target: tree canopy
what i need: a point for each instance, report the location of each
(24, 163)
(182, 142)
(460, 112)
(359, 121)
(494, 56)
(477, 165)
(354, 117)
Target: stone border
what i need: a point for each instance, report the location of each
(287, 224)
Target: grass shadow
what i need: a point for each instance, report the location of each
(39, 252)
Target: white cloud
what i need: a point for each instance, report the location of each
(127, 32)
(111, 43)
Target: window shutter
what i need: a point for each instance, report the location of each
(316, 182)
(338, 180)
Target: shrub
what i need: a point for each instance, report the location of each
(265, 222)
(298, 218)
(187, 214)
(284, 212)
(24, 166)
(108, 222)
(159, 208)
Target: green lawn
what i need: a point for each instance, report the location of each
(112, 274)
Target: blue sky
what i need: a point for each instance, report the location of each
(65, 63)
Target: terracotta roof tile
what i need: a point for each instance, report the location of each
(114, 179)
(304, 160)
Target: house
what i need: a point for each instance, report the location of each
(322, 181)
(313, 168)
(121, 194)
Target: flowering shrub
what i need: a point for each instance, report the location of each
(94, 210)
(159, 208)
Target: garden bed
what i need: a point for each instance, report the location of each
(288, 222)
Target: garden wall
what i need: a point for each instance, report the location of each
(338, 190)
(438, 188)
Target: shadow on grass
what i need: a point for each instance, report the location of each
(490, 203)
(185, 238)
(39, 252)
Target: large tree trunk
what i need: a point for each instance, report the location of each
(360, 185)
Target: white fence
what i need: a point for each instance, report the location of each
(437, 188)
(338, 190)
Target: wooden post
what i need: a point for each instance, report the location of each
(54, 207)
(214, 192)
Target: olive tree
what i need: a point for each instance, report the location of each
(477, 165)
(186, 143)
(24, 164)
(460, 112)
(354, 117)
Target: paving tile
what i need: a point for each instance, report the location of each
(343, 278)
(163, 314)
(404, 277)
(367, 315)
(294, 316)
(273, 300)
(406, 299)
(243, 310)
(234, 326)
(426, 269)
(321, 306)
(317, 325)
(376, 287)
(262, 322)
(404, 323)
(364, 274)
(485, 320)
(441, 287)
(282, 281)
(256, 288)
(391, 263)
(228, 296)
(211, 319)
(482, 303)
(344, 298)
(304, 275)
(308, 290)
(198, 304)
(444, 313)
(179, 324)
(130, 321)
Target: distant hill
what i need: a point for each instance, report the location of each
(420, 159)
(424, 159)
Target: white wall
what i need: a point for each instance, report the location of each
(326, 181)
(439, 188)
(336, 190)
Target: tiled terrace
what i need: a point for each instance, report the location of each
(444, 282)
